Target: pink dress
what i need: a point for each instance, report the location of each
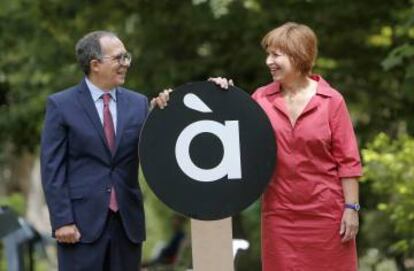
(303, 205)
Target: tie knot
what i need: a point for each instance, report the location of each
(106, 97)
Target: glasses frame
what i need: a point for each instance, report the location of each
(122, 58)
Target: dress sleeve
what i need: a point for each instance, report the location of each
(344, 144)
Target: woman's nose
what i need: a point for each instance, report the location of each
(269, 60)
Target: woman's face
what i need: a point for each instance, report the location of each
(279, 65)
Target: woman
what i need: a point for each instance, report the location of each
(310, 208)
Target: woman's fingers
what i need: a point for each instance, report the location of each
(349, 225)
(221, 81)
(350, 230)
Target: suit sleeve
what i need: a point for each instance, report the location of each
(344, 144)
(53, 167)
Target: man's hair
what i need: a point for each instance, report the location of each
(89, 48)
(298, 41)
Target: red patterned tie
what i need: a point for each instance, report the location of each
(110, 140)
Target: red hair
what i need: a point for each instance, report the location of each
(298, 41)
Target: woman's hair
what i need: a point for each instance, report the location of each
(298, 41)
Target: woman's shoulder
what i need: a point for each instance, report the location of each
(324, 88)
(270, 88)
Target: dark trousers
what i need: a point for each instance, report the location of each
(113, 251)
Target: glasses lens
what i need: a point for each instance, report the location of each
(126, 58)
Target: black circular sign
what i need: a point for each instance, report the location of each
(210, 153)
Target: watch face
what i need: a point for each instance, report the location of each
(355, 206)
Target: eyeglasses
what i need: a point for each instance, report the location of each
(122, 58)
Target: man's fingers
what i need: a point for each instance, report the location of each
(162, 100)
(160, 103)
(166, 95)
(167, 91)
(157, 102)
(153, 103)
(64, 239)
(163, 95)
(68, 236)
(77, 235)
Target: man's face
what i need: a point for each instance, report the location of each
(111, 72)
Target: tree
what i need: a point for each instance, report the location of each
(173, 42)
(390, 175)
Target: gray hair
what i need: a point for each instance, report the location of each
(89, 48)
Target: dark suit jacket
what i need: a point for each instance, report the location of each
(78, 169)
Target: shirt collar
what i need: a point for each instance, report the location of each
(97, 92)
(323, 87)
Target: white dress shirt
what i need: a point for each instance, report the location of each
(98, 100)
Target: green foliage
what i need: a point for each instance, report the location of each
(250, 259)
(159, 226)
(174, 42)
(16, 202)
(400, 62)
(390, 174)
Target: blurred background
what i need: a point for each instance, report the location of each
(366, 50)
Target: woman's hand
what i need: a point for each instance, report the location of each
(162, 100)
(349, 225)
(224, 83)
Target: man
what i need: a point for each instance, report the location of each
(89, 156)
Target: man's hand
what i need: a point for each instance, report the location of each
(224, 83)
(68, 234)
(162, 99)
(349, 225)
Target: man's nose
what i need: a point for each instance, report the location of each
(126, 64)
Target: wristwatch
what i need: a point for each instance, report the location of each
(355, 206)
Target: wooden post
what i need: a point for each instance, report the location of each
(212, 245)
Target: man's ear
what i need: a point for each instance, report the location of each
(94, 65)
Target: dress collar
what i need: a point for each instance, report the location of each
(323, 87)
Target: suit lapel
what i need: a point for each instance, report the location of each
(89, 107)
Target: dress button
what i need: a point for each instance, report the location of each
(108, 190)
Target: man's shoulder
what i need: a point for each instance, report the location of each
(64, 94)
